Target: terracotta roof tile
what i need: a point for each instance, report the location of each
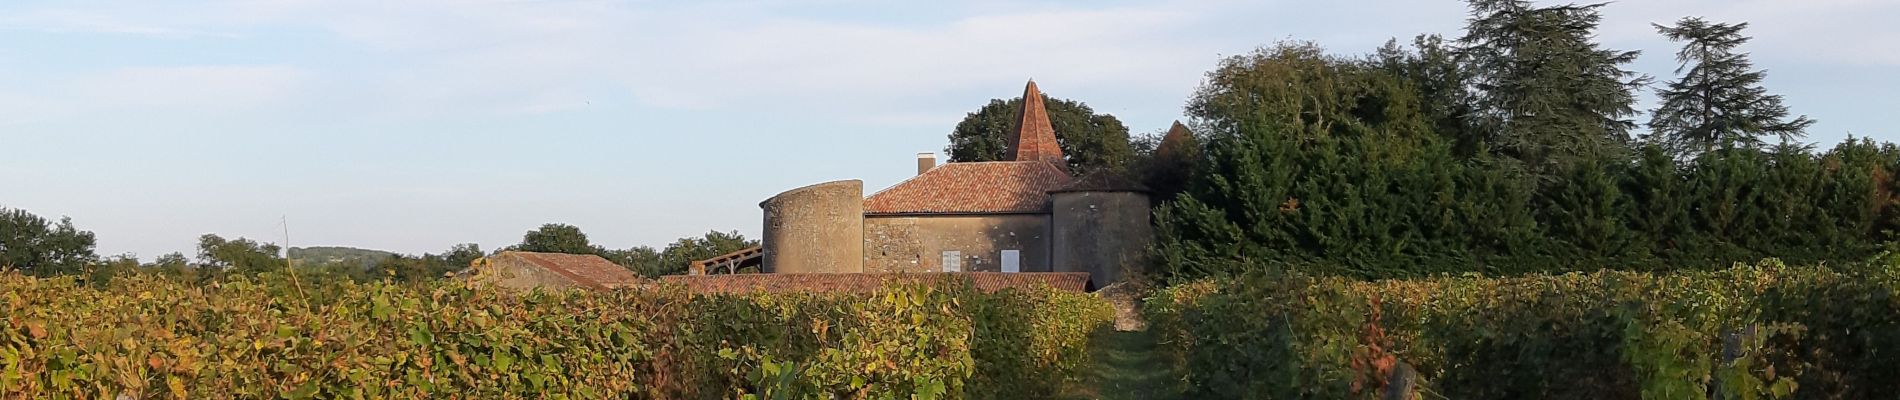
(1035, 137)
(972, 188)
(867, 282)
(586, 269)
(1173, 142)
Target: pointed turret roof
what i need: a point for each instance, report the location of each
(1177, 137)
(1035, 138)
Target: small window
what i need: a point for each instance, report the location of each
(1012, 261)
(952, 261)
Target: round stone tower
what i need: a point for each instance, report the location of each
(1101, 227)
(815, 229)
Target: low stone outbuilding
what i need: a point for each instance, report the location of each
(529, 270)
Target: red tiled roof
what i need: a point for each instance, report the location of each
(1035, 137)
(972, 188)
(585, 269)
(866, 282)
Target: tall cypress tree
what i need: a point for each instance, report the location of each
(1658, 201)
(1549, 94)
(1718, 101)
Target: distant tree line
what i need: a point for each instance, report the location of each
(39, 247)
(1511, 149)
(647, 261)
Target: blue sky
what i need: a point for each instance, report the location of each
(413, 125)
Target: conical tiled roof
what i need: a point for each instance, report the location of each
(1177, 136)
(1035, 138)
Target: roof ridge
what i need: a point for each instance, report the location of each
(588, 273)
(902, 182)
(985, 187)
(948, 164)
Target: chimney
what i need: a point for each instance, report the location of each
(926, 161)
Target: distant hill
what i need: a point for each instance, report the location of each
(337, 255)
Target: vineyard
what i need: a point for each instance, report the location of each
(1765, 330)
(263, 337)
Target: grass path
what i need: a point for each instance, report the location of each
(1127, 365)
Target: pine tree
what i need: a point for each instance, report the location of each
(1718, 101)
(1549, 94)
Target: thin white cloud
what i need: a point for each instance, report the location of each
(19, 109)
(206, 88)
(1836, 32)
(539, 56)
(78, 21)
(504, 56)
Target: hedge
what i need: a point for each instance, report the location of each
(1375, 167)
(1765, 330)
(150, 337)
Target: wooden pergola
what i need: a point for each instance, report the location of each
(729, 263)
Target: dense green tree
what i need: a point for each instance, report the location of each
(1331, 163)
(1443, 83)
(1164, 162)
(1090, 141)
(683, 252)
(1658, 201)
(173, 264)
(238, 255)
(557, 238)
(1585, 209)
(677, 256)
(646, 261)
(36, 246)
(1717, 101)
(643, 260)
(460, 256)
(1548, 93)
(102, 271)
(172, 260)
(1340, 166)
(424, 267)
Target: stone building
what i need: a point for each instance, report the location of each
(529, 270)
(1023, 215)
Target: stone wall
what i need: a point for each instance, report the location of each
(815, 229)
(1100, 233)
(917, 243)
